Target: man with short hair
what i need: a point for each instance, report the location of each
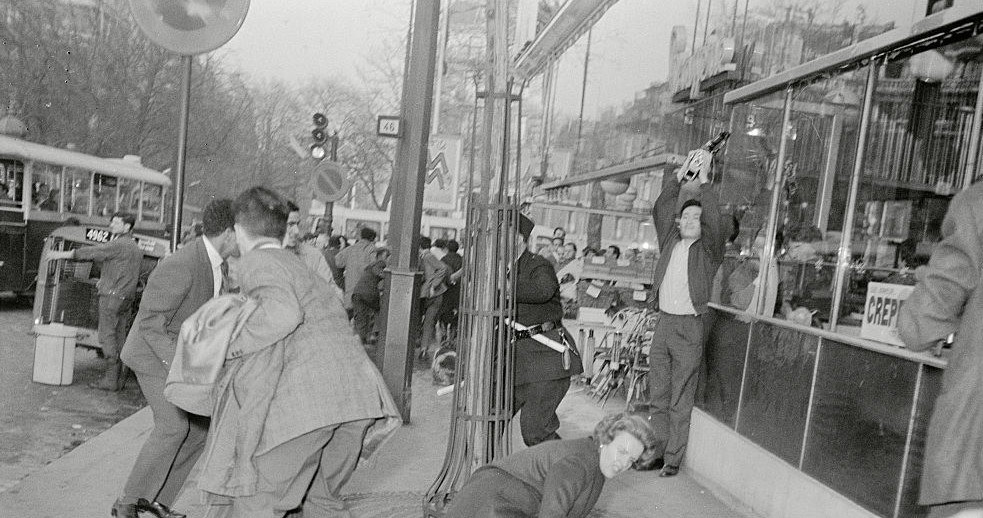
(178, 286)
(353, 260)
(297, 402)
(431, 294)
(117, 286)
(692, 248)
(312, 257)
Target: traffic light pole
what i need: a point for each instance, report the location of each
(182, 152)
(329, 206)
(402, 299)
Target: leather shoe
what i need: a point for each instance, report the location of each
(158, 509)
(669, 471)
(121, 510)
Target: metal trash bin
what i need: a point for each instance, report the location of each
(54, 354)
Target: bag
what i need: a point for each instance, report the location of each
(201, 348)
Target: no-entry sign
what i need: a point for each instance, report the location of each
(329, 181)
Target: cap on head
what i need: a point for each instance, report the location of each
(525, 226)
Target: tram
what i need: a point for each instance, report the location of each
(349, 221)
(43, 188)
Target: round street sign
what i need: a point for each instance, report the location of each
(190, 27)
(329, 181)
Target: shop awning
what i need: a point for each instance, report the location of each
(949, 24)
(573, 19)
(642, 165)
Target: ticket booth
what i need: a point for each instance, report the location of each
(66, 289)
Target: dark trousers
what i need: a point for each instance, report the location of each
(430, 309)
(674, 361)
(538, 401)
(170, 451)
(114, 322)
(365, 311)
(494, 493)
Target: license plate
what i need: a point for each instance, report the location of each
(97, 235)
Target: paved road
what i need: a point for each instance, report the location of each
(40, 423)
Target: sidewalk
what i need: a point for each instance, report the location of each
(85, 482)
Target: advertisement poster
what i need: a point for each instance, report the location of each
(881, 310)
(443, 171)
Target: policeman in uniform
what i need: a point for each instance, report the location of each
(542, 375)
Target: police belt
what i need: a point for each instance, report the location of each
(537, 329)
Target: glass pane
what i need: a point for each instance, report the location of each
(129, 196)
(11, 183)
(46, 188)
(917, 158)
(859, 422)
(103, 195)
(152, 202)
(776, 393)
(77, 191)
(930, 389)
(725, 348)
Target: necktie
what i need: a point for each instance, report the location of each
(226, 284)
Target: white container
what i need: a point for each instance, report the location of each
(54, 354)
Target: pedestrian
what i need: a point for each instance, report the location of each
(352, 260)
(297, 402)
(542, 375)
(692, 245)
(337, 274)
(431, 294)
(366, 300)
(948, 300)
(452, 297)
(293, 241)
(556, 478)
(177, 287)
(121, 259)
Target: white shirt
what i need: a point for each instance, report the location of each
(674, 292)
(216, 260)
(439, 253)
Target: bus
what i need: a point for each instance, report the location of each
(347, 222)
(44, 187)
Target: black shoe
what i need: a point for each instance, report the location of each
(669, 471)
(652, 466)
(121, 510)
(158, 509)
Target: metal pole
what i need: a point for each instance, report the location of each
(182, 151)
(696, 26)
(776, 194)
(403, 301)
(329, 206)
(844, 258)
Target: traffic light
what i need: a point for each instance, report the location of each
(320, 135)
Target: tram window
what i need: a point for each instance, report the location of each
(129, 196)
(103, 195)
(77, 192)
(46, 189)
(11, 180)
(152, 201)
(443, 233)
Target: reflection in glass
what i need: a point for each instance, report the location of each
(776, 390)
(725, 348)
(859, 422)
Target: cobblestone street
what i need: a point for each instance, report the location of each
(40, 423)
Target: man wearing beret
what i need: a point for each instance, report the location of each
(542, 375)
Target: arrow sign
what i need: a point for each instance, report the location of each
(437, 169)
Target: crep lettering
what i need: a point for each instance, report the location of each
(883, 311)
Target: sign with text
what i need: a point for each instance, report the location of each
(443, 170)
(881, 310)
(388, 126)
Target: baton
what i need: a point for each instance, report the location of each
(548, 342)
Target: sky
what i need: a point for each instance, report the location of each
(294, 40)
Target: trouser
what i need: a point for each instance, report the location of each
(308, 470)
(114, 322)
(430, 308)
(674, 361)
(364, 313)
(538, 401)
(169, 452)
(493, 493)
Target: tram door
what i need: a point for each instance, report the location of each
(13, 238)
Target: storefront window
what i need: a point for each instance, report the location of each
(77, 191)
(917, 157)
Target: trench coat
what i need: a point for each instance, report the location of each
(948, 299)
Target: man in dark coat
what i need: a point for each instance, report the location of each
(542, 375)
(948, 299)
(366, 300)
(452, 297)
(177, 287)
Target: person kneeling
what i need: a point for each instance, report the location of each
(557, 478)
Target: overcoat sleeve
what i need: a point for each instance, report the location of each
(277, 314)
